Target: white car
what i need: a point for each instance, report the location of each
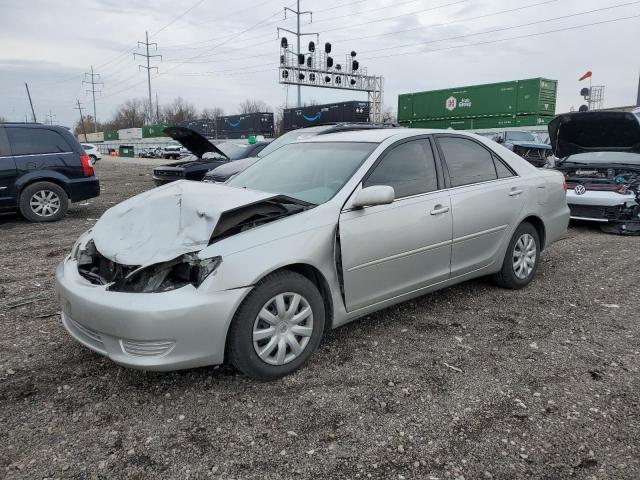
(92, 151)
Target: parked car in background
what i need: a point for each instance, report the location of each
(206, 155)
(599, 155)
(42, 169)
(151, 152)
(319, 232)
(526, 144)
(222, 173)
(92, 151)
(174, 151)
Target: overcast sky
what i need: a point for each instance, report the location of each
(218, 53)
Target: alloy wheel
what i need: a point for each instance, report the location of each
(45, 203)
(524, 256)
(283, 328)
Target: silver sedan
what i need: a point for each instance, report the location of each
(314, 235)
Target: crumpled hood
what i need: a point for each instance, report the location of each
(193, 141)
(166, 222)
(581, 132)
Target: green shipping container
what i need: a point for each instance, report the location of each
(126, 151)
(152, 131)
(532, 120)
(111, 135)
(536, 96)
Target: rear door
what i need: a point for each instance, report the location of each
(391, 250)
(43, 149)
(8, 173)
(486, 200)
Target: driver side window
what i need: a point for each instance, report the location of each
(409, 168)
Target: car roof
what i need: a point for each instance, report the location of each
(379, 135)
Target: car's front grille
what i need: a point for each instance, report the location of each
(595, 212)
(168, 173)
(142, 348)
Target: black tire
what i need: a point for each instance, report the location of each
(33, 213)
(507, 277)
(240, 345)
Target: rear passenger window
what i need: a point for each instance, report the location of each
(409, 168)
(33, 141)
(467, 161)
(502, 169)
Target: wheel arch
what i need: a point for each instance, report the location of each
(538, 224)
(30, 181)
(318, 279)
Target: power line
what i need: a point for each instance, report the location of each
(177, 18)
(502, 29)
(148, 68)
(93, 84)
(488, 42)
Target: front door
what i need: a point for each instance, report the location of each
(391, 250)
(486, 200)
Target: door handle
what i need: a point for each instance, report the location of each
(438, 209)
(515, 192)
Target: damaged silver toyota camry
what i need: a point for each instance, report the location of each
(314, 235)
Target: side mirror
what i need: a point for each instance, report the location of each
(499, 139)
(374, 195)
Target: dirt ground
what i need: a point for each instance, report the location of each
(470, 382)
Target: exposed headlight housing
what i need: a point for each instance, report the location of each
(185, 270)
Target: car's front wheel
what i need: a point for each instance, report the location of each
(521, 260)
(278, 326)
(43, 202)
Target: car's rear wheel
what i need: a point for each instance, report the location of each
(43, 202)
(278, 326)
(521, 260)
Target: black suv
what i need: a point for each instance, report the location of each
(42, 169)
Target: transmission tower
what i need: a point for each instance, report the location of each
(297, 33)
(92, 76)
(148, 68)
(51, 117)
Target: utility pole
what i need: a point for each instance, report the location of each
(157, 109)
(297, 33)
(84, 131)
(31, 103)
(93, 84)
(148, 68)
(50, 118)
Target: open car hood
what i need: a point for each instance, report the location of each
(182, 217)
(192, 141)
(581, 132)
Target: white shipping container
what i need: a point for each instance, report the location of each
(130, 134)
(91, 137)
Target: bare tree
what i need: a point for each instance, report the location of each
(178, 111)
(2, 119)
(212, 113)
(388, 115)
(254, 106)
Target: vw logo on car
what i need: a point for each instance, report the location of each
(580, 190)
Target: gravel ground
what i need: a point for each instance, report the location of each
(470, 382)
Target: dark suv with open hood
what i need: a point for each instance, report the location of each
(599, 154)
(206, 155)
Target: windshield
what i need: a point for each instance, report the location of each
(521, 137)
(605, 157)
(287, 138)
(234, 150)
(312, 172)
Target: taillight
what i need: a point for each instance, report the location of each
(564, 185)
(87, 169)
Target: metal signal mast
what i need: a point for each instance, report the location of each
(318, 69)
